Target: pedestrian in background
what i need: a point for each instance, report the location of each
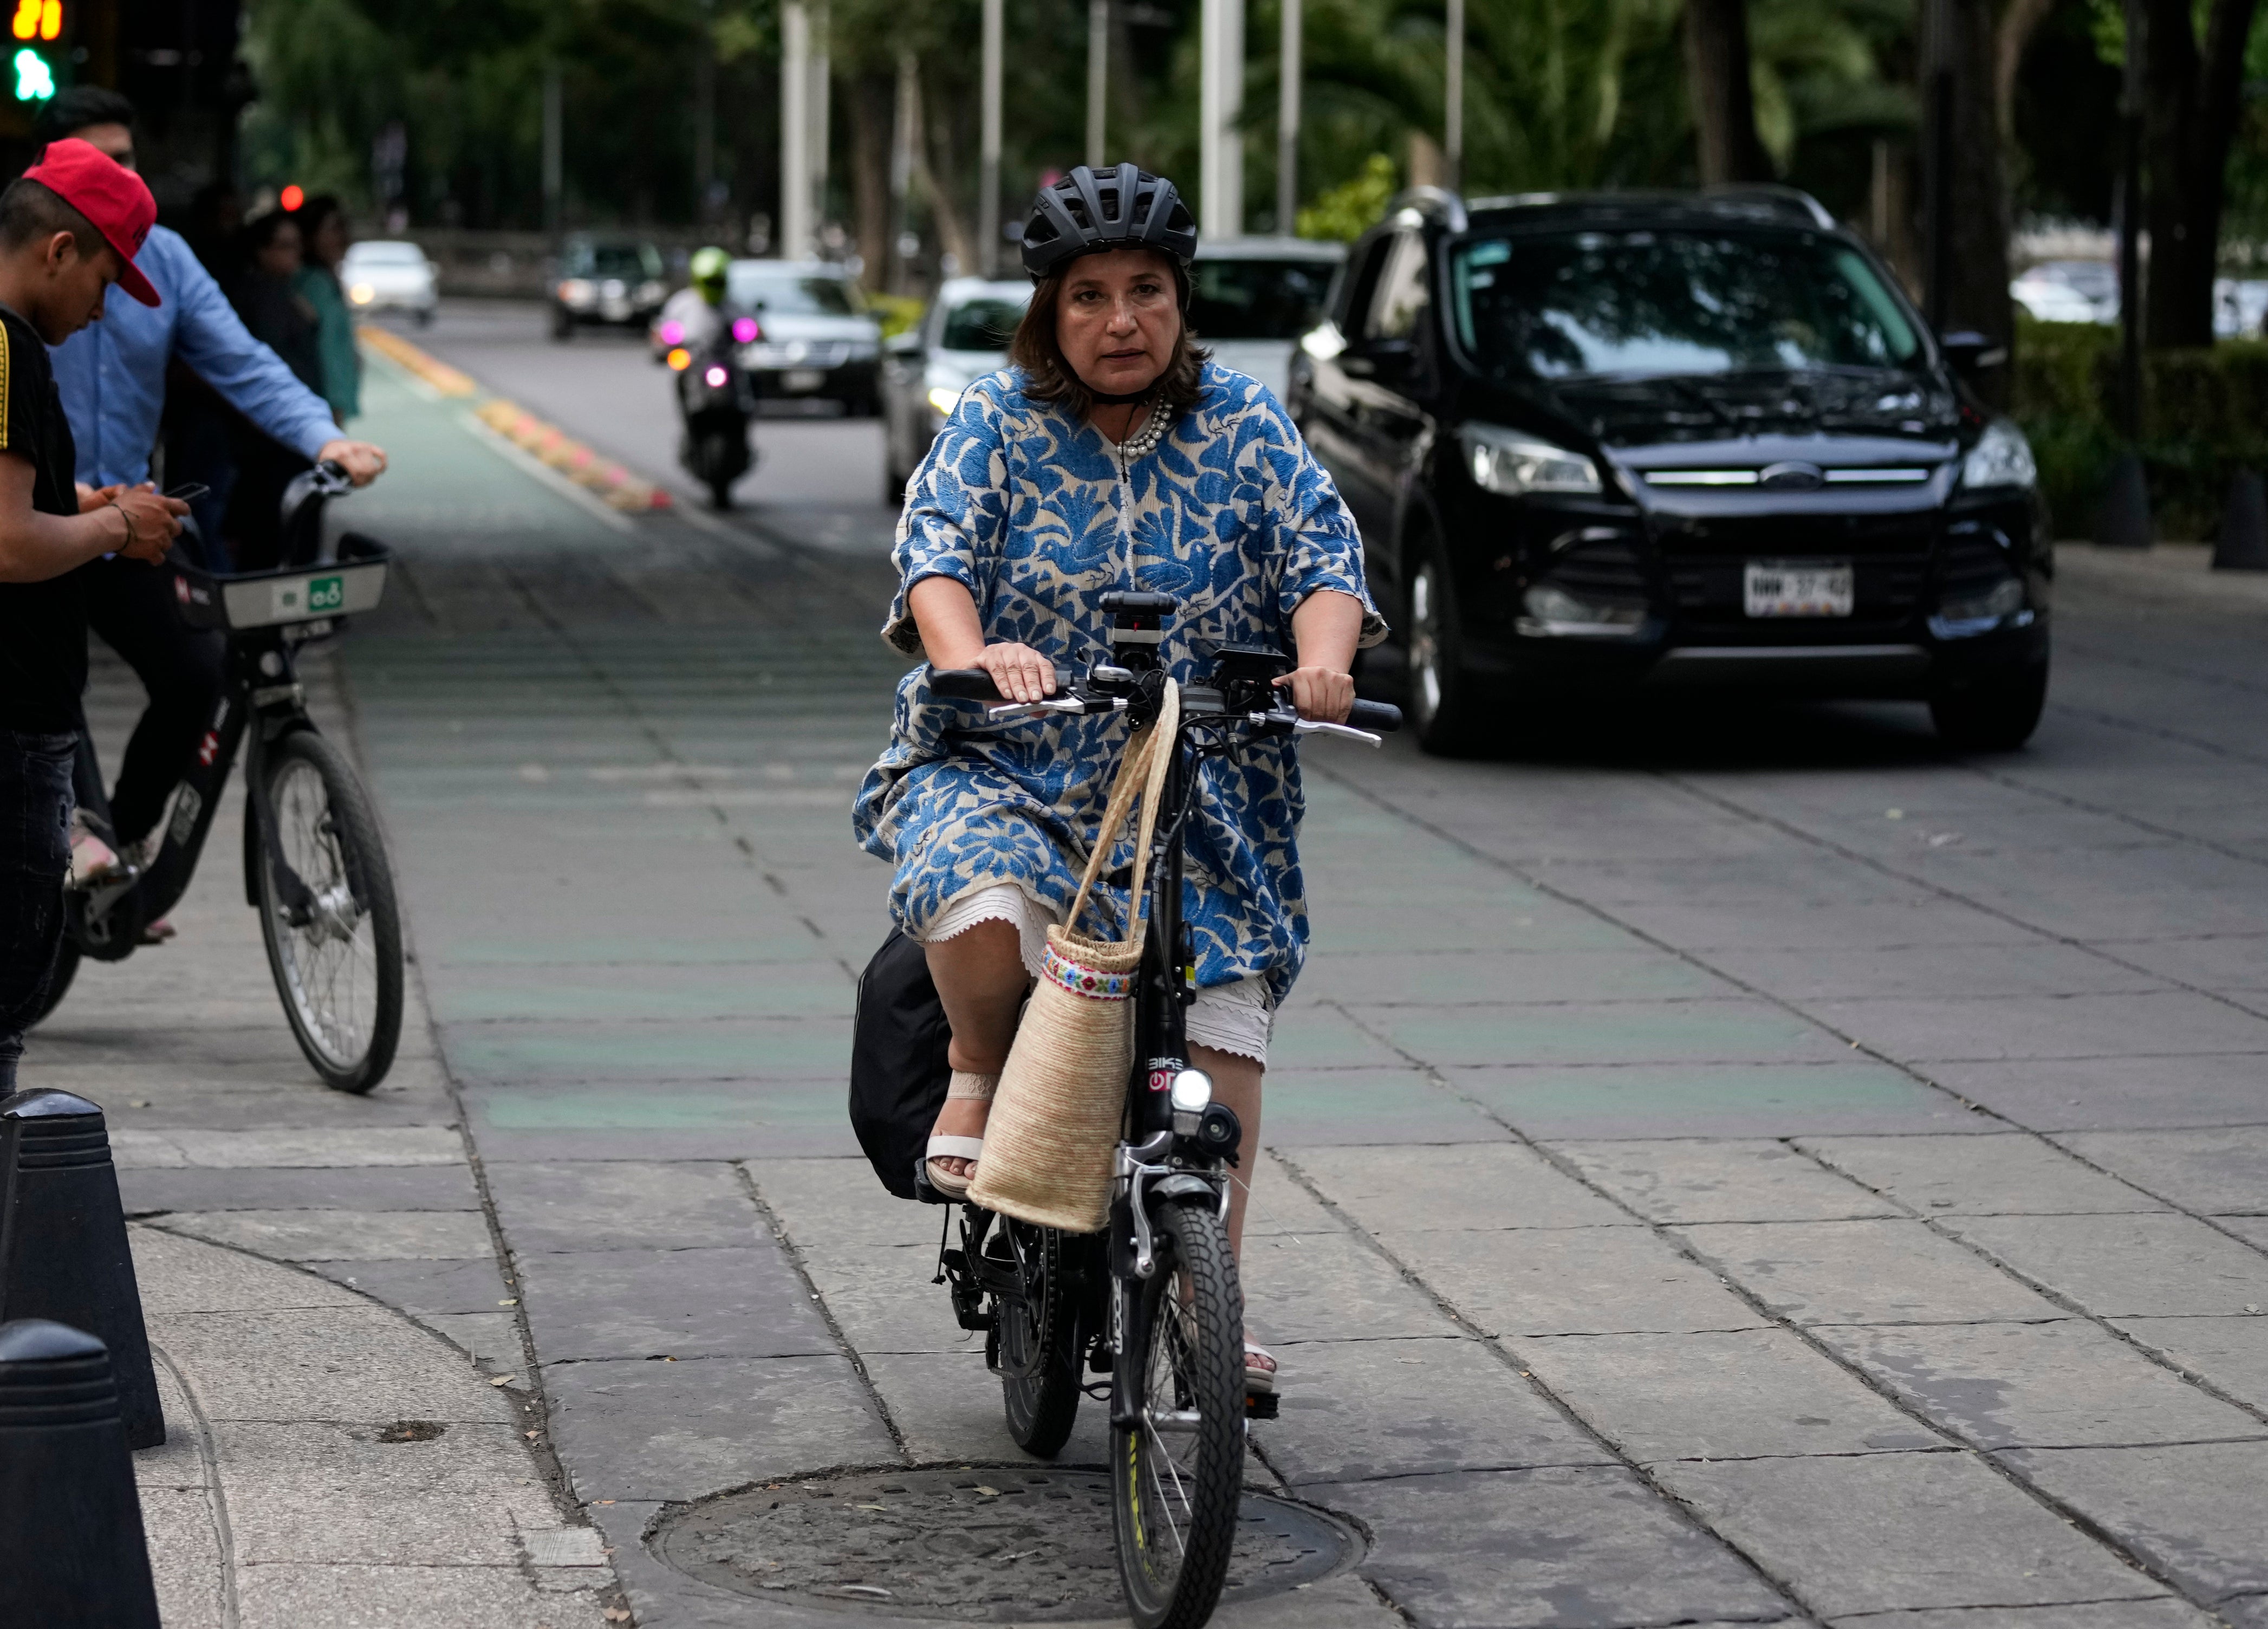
(266, 295)
(323, 240)
(70, 228)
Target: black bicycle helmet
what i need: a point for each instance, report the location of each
(1126, 208)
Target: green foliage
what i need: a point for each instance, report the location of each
(2204, 415)
(1348, 211)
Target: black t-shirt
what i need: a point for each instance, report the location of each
(43, 626)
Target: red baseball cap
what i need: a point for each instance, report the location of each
(112, 196)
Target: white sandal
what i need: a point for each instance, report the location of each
(965, 1088)
(1257, 1378)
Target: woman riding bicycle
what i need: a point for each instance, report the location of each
(1112, 454)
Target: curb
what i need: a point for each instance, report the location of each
(578, 461)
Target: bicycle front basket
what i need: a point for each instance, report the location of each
(304, 593)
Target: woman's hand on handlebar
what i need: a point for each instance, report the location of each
(1320, 693)
(1020, 673)
(363, 461)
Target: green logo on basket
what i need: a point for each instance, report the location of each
(326, 593)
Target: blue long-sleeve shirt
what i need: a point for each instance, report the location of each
(112, 373)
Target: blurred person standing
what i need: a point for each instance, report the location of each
(266, 295)
(323, 240)
(70, 228)
(111, 379)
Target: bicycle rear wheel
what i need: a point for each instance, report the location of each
(1177, 1474)
(336, 957)
(1036, 1342)
(59, 981)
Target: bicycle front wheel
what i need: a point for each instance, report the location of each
(1178, 1470)
(334, 944)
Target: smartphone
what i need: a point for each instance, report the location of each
(191, 492)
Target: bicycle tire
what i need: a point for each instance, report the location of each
(1173, 1515)
(59, 981)
(1038, 1344)
(343, 864)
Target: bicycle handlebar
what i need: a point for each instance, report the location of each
(974, 684)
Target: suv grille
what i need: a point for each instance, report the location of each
(1706, 565)
(1607, 569)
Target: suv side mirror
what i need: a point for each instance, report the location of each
(1388, 361)
(1968, 352)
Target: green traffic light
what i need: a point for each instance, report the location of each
(35, 81)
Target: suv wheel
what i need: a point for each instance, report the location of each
(1996, 714)
(1443, 710)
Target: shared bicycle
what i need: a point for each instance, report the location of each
(1149, 1313)
(314, 865)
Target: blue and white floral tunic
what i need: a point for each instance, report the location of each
(1039, 515)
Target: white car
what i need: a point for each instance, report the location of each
(816, 337)
(390, 276)
(1256, 296)
(962, 337)
(2068, 290)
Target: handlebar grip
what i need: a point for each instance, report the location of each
(1383, 717)
(963, 684)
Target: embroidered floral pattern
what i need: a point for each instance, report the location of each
(1085, 981)
(1038, 516)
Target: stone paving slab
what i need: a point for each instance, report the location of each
(1711, 1100)
(1475, 1186)
(2063, 1384)
(146, 1190)
(1955, 972)
(627, 1205)
(2157, 1024)
(2221, 1171)
(2172, 1506)
(428, 1287)
(1557, 1548)
(1753, 1180)
(2230, 1352)
(2128, 1266)
(1367, 1108)
(2112, 1093)
(2150, 1614)
(131, 1146)
(1977, 1175)
(1570, 1281)
(1487, 979)
(742, 1302)
(312, 1235)
(1878, 1532)
(1864, 1272)
(1741, 1395)
(1325, 1286)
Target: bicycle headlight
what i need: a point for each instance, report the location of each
(1503, 460)
(1192, 1090)
(2002, 457)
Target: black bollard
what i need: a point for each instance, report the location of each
(2124, 520)
(62, 1242)
(72, 1553)
(2243, 542)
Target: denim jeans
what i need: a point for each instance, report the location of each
(35, 810)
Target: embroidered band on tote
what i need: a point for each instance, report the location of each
(1062, 1094)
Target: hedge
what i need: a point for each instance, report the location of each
(2204, 417)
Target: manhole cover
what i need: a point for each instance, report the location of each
(987, 1546)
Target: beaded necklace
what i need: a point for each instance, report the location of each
(1144, 440)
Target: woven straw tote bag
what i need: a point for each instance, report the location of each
(1063, 1092)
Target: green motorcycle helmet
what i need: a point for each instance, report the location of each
(708, 270)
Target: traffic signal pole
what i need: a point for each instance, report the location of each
(1290, 69)
(1221, 103)
(795, 224)
(1098, 81)
(988, 202)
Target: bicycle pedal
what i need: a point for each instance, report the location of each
(1259, 1405)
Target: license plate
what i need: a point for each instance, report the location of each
(802, 379)
(1798, 589)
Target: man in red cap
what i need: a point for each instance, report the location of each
(69, 229)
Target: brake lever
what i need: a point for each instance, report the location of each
(1298, 725)
(1061, 703)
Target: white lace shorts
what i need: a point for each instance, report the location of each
(1230, 1018)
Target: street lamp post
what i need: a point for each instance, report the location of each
(1220, 108)
(987, 200)
(1289, 69)
(1098, 81)
(795, 224)
(1452, 117)
(554, 155)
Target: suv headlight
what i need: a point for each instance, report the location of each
(1503, 460)
(2002, 457)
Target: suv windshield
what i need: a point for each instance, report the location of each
(981, 325)
(1576, 305)
(1257, 299)
(642, 260)
(787, 294)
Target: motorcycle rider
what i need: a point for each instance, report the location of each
(111, 379)
(700, 332)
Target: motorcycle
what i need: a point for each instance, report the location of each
(716, 400)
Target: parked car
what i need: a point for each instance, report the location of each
(2068, 290)
(1252, 298)
(1656, 440)
(616, 282)
(382, 275)
(962, 337)
(818, 340)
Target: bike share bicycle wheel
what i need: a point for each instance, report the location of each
(1176, 1475)
(337, 958)
(1035, 1338)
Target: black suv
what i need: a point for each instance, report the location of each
(1658, 439)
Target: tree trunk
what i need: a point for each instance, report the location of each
(873, 106)
(1969, 266)
(2018, 24)
(2191, 103)
(1723, 102)
(933, 154)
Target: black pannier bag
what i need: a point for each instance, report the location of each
(898, 1067)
